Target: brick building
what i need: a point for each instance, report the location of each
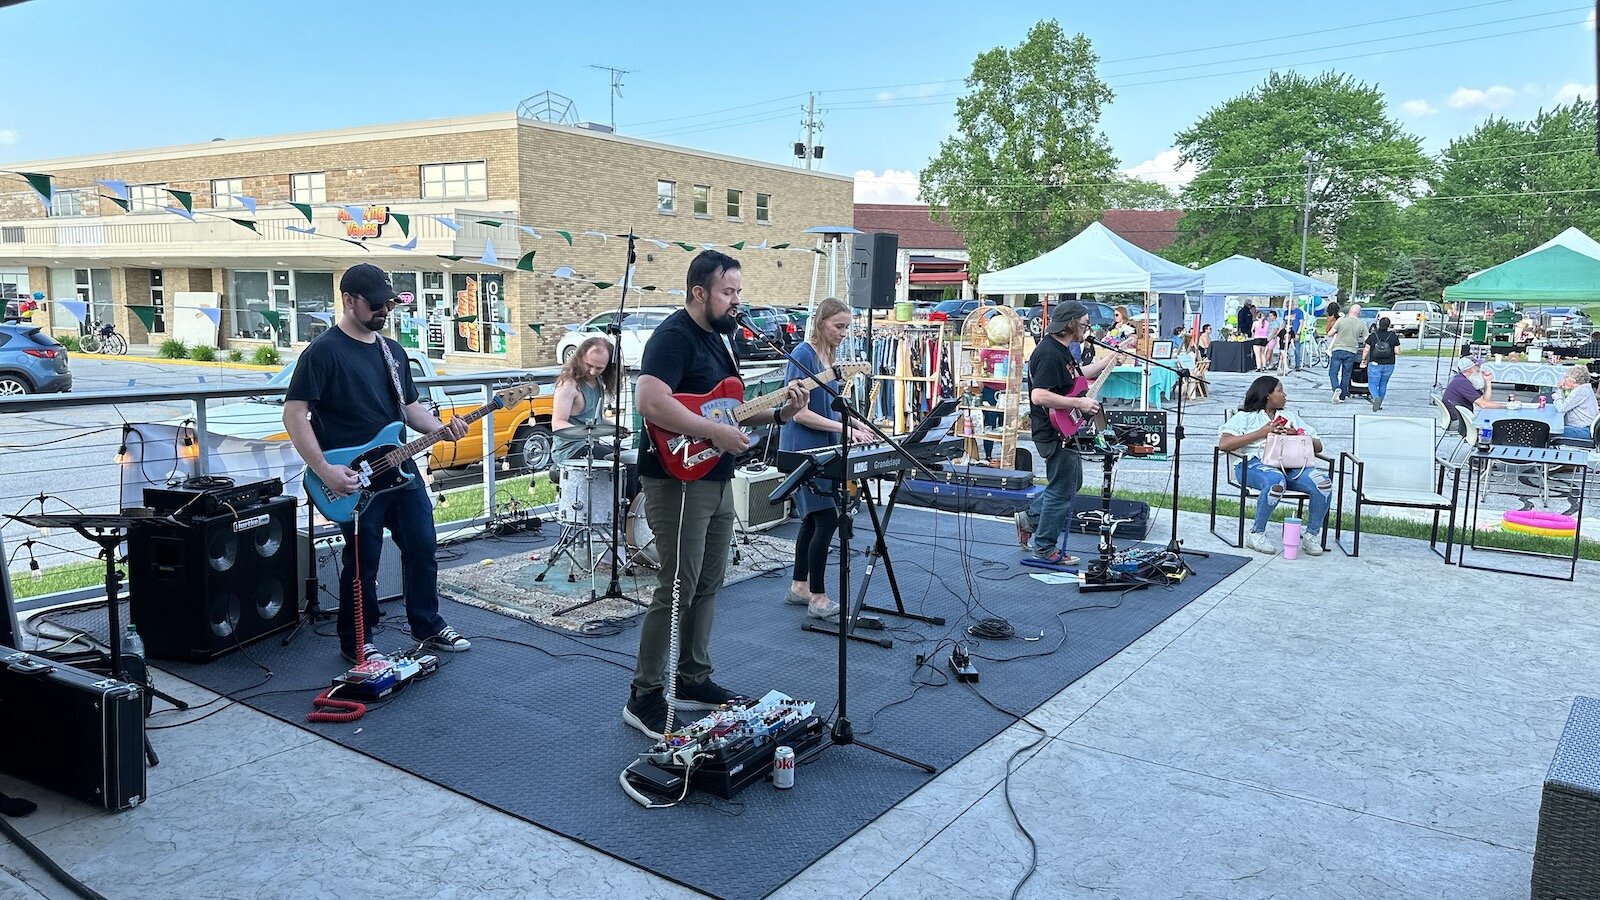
(491, 181)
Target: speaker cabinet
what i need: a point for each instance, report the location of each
(327, 551)
(750, 492)
(872, 270)
(201, 587)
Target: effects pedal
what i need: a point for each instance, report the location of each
(961, 665)
(376, 679)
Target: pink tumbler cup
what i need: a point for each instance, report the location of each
(1291, 538)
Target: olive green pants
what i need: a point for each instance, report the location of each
(692, 522)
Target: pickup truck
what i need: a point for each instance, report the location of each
(522, 432)
(1411, 317)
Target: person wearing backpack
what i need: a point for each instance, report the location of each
(1380, 352)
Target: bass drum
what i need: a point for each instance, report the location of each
(641, 542)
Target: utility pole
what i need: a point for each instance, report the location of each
(810, 150)
(1305, 221)
(1355, 272)
(616, 87)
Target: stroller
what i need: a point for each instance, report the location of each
(1358, 380)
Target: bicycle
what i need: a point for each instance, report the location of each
(1313, 353)
(103, 338)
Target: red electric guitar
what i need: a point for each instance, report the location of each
(1070, 421)
(688, 459)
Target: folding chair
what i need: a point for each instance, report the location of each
(1391, 466)
(1224, 464)
(1518, 433)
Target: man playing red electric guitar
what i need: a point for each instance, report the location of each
(692, 520)
(1057, 379)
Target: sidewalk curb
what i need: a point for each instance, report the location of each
(162, 360)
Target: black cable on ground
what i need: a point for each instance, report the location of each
(48, 864)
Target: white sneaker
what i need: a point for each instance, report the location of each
(1311, 544)
(1336, 397)
(1258, 541)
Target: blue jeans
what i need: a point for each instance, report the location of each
(1343, 363)
(1378, 379)
(408, 514)
(1295, 350)
(1048, 511)
(1575, 432)
(1271, 482)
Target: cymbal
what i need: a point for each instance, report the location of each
(590, 432)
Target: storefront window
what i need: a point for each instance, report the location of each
(313, 293)
(249, 298)
(407, 332)
(481, 299)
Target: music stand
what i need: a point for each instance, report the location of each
(107, 530)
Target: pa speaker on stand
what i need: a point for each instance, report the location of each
(872, 270)
(202, 586)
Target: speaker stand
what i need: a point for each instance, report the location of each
(313, 608)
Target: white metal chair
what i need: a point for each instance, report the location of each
(1224, 466)
(1461, 430)
(1391, 465)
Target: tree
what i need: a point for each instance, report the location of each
(1400, 283)
(1249, 195)
(1136, 193)
(1509, 186)
(1028, 166)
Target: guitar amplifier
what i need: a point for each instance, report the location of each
(72, 731)
(750, 492)
(328, 551)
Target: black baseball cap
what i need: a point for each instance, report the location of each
(368, 282)
(1063, 315)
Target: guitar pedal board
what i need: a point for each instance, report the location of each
(376, 679)
(728, 749)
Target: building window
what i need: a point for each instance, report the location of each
(764, 209)
(66, 203)
(735, 199)
(309, 187)
(146, 198)
(158, 300)
(222, 191)
(702, 201)
(453, 181)
(666, 201)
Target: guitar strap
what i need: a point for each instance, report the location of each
(394, 375)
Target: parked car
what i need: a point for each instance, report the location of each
(1471, 310)
(637, 326)
(1100, 316)
(1412, 317)
(522, 432)
(956, 311)
(32, 362)
(1565, 323)
(773, 327)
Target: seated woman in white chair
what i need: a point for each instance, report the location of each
(1264, 412)
(1577, 403)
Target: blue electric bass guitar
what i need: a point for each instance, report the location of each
(379, 464)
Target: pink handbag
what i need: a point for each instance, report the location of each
(1288, 451)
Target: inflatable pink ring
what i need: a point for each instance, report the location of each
(1537, 519)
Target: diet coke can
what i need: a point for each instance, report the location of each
(783, 768)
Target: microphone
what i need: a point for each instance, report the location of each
(743, 318)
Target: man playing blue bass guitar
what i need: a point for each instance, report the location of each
(348, 385)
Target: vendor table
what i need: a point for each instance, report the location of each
(1232, 356)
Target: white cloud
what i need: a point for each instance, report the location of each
(9, 136)
(1573, 91)
(893, 186)
(884, 96)
(1418, 108)
(1589, 22)
(1163, 169)
(1492, 99)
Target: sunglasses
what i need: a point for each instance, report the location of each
(380, 304)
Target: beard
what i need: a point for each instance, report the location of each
(725, 324)
(1477, 380)
(376, 322)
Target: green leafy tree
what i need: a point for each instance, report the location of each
(1136, 193)
(1509, 186)
(1028, 165)
(1400, 283)
(1250, 192)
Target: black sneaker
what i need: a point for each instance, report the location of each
(646, 712)
(706, 695)
(448, 639)
(371, 653)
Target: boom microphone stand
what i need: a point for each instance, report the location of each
(842, 733)
(614, 589)
(1174, 546)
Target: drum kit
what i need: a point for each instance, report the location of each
(587, 485)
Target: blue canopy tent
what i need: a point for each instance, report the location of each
(1241, 276)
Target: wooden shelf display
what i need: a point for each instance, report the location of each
(990, 355)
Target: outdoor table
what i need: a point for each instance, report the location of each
(1544, 457)
(1124, 384)
(1232, 356)
(1485, 418)
(1531, 373)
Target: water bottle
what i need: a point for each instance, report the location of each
(132, 644)
(1291, 538)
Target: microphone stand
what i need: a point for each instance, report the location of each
(1174, 546)
(842, 732)
(614, 330)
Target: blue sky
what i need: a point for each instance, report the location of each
(104, 75)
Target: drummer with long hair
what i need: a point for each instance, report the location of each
(581, 388)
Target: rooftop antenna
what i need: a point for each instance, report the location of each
(616, 87)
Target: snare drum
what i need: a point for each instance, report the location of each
(641, 542)
(586, 492)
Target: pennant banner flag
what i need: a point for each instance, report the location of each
(114, 185)
(502, 327)
(526, 262)
(563, 272)
(187, 214)
(298, 230)
(599, 234)
(78, 309)
(404, 221)
(325, 318)
(355, 214)
(274, 318)
(538, 328)
(448, 222)
(39, 183)
(246, 223)
(212, 313)
(247, 202)
(305, 209)
(602, 285)
(184, 197)
(567, 235)
(488, 258)
(687, 248)
(408, 245)
(147, 316)
(490, 223)
(531, 233)
(466, 320)
(118, 201)
(416, 322)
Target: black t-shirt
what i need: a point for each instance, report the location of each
(1246, 319)
(689, 360)
(348, 386)
(1383, 345)
(1048, 369)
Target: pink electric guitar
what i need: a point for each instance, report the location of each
(1070, 421)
